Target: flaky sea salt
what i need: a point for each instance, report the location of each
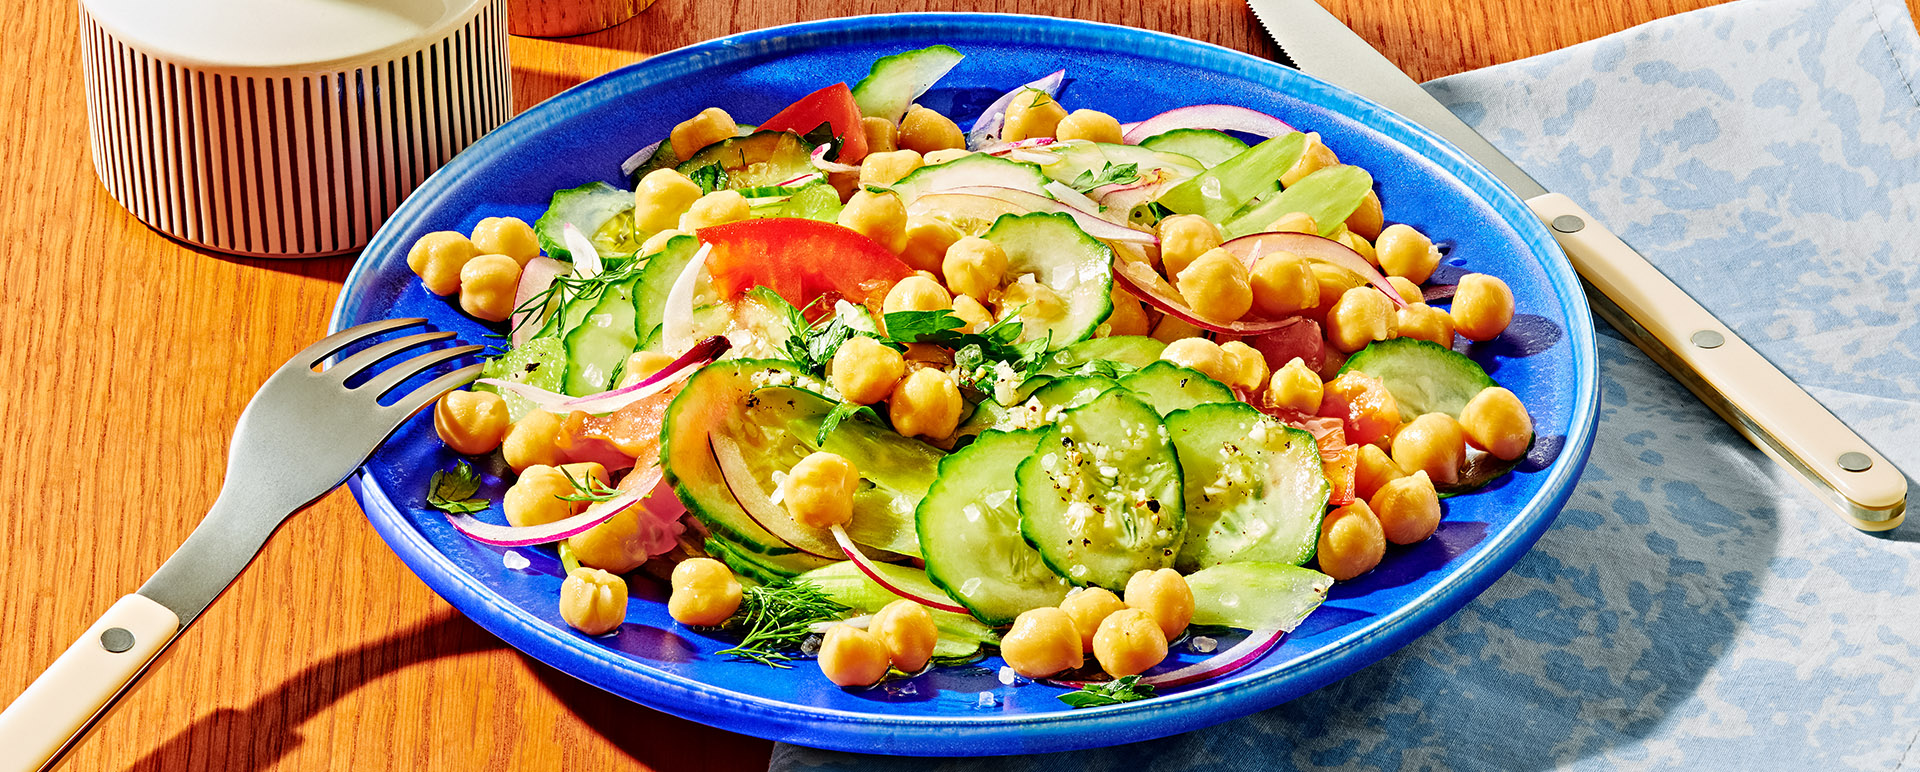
(987, 700)
(1202, 644)
(1006, 675)
(514, 561)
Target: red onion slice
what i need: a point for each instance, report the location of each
(609, 401)
(1216, 117)
(1003, 148)
(988, 126)
(527, 536)
(800, 180)
(676, 320)
(820, 161)
(586, 259)
(1251, 247)
(1065, 194)
(637, 159)
(1095, 225)
(1240, 655)
(865, 564)
(536, 278)
(1156, 293)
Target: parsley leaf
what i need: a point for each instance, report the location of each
(452, 492)
(1106, 368)
(1108, 175)
(921, 326)
(842, 412)
(710, 178)
(1125, 689)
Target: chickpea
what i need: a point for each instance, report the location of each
(1407, 290)
(937, 157)
(510, 236)
(1296, 387)
(1367, 218)
(924, 131)
(471, 422)
(976, 316)
(593, 601)
(1165, 596)
(1171, 328)
(1333, 282)
(1032, 113)
(1032, 301)
(705, 593)
(1407, 253)
(1247, 365)
(437, 259)
(1374, 469)
(1424, 322)
(1362, 316)
(533, 440)
(884, 169)
(1089, 606)
(1482, 307)
(973, 266)
(916, 293)
(864, 370)
(660, 198)
(1408, 508)
(619, 545)
(640, 365)
(926, 403)
(878, 216)
(1283, 284)
(487, 284)
(818, 491)
(657, 243)
(711, 125)
(1201, 355)
(1043, 642)
(851, 657)
(882, 135)
(534, 499)
(1315, 157)
(1352, 241)
(1184, 237)
(928, 239)
(1129, 317)
(907, 630)
(1216, 284)
(1496, 422)
(1351, 542)
(1129, 642)
(1433, 443)
(1294, 222)
(1090, 125)
(717, 208)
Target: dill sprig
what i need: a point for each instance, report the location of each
(591, 490)
(777, 618)
(568, 288)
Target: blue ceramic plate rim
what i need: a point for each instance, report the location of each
(982, 734)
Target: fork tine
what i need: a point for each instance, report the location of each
(374, 354)
(419, 398)
(380, 384)
(331, 344)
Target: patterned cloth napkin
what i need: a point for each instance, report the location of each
(1694, 606)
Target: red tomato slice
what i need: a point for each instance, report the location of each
(1340, 468)
(801, 260)
(832, 105)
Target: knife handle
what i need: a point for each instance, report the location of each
(1760, 402)
(77, 688)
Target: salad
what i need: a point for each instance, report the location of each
(867, 388)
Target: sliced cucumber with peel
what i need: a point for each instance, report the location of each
(973, 169)
(1101, 497)
(1076, 158)
(1207, 146)
(895, 81)
(1169, 387)
(970, 532)
(715, 397)
(588, 207)
(1256, 596)
(1424, 377)
(1064, 259)
(1131, 350)
(843, 581)
(656, 280)
(1045, 406)
(1254, 487)
(757, 160)
(598, 346)
(539, 362)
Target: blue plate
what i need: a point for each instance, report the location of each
(1547, 357)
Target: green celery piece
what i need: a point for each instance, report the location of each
(1219, 191)
(1329, 196)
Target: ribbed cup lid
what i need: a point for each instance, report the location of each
(278, 34)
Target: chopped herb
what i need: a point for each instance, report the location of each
(710, 178)
(776, 618)
(1126, 689)
(567, 288)
(452, 492)
(806, 345)
(1106, 368)
(1108, 175)
(842, 412)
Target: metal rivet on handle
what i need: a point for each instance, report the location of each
(1567, 223)
(1855, 461)
(1708, 339)
(116, 639)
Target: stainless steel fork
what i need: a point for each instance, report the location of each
(304, 432)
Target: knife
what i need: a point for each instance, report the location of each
(1761, 402)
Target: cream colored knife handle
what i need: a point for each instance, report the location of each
(1726, 373)
(63, 702)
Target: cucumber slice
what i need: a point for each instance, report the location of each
(967, 171)
(895, 81)
(662, 158)
(765, 569)
(1256, 596)
(1328, 195)
(1101, 497)
(1207, 146)
(1169, 387)
(599, 345)
(539, 362)
(1075, 158)
(844, 582)
(757, 160)
(969, 528)
(714, 397)
(818, 201)
(1254, 487)
(589, 207)
(1220, 191)
(1047, 404)
(656, 280)
(1424, 377)
(1065, 259)
(1130, 350)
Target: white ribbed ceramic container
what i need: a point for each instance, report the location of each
(285, 128)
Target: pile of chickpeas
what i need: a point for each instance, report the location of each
(483, 268)
(1126, 636)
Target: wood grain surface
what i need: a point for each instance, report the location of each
(125, 359)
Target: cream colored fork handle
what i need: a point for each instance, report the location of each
(63, 702)
(1726, 373)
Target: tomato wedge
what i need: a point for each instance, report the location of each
(833, 106)
(800, 259)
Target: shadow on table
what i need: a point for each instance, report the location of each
(656, 740)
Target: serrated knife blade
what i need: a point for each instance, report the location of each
(1733, 379)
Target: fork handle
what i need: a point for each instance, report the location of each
(62, 704)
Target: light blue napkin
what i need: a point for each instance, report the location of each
(1694, 606)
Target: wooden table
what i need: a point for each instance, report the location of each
(125, 359)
